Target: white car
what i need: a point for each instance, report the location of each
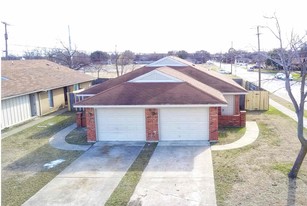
(283, 76)
(223, 71)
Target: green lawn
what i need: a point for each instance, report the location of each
(24, 155)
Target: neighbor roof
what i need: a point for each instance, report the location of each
(29, 76)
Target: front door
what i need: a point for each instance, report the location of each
(33, 104)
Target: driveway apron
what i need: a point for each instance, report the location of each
(91, 179)
(177, 175)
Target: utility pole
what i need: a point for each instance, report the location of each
(231, 53)
(259, 69)
(69, 39)
(6, 38)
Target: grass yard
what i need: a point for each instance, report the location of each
(229, 135)
(78, 136)
(24, 155)
(285, 103)
(257, 174)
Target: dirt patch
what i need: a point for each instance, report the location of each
(257, 174)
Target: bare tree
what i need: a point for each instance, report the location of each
(290, 56)
(71, 58)
(121, 60)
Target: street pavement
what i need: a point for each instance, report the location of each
(268, 82)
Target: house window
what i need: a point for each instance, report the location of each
(50, 98)
(76, 87)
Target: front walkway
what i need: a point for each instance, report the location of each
(251, 134)
(58, 140)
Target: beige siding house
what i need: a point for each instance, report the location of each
(32, 88)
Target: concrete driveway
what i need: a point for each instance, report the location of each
(91, 179)
(177, 174)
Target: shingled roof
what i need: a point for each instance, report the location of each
(194, 86)
(21, 77)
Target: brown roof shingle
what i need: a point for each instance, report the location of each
(181, 93)
(28, 76)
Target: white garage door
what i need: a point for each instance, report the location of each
(184, 124)
(120, 124)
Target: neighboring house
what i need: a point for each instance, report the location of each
(32, 88)
(170, 99)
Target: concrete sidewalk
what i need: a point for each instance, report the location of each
(31, 123)
(251, 134)
(286, 111)
(58, 140)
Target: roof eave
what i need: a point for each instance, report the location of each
(150, 106)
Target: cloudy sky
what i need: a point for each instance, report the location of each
(148, 25)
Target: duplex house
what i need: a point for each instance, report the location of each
(170, 99)
(32, 88)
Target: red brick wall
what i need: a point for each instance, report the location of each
(243, 118)
(91, 125)
(213, 124)
(236, 120)
(152, 125)
(80, 119)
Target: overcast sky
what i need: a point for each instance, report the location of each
(148, 25)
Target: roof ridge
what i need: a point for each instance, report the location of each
(190, 80)
(219, 76)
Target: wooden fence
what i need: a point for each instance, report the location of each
(257, 100)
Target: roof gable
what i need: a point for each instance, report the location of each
(155, 76)
(168, 61)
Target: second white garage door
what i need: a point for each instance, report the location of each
(120, 124)
(184, 124)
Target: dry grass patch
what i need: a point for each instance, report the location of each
(257, 174)
(24, 155)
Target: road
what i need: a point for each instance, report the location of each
(268, 82)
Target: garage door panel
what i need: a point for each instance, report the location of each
(184, 123)
(121, 124)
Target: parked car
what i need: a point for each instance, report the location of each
(254, 67)
(223, 71)
(283, 76)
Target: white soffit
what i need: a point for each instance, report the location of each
(167, 61)
(155, 76)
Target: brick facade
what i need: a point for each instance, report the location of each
(80, 119)
(152, 125)
(91, 125)
(236, 120)
(213, 124)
